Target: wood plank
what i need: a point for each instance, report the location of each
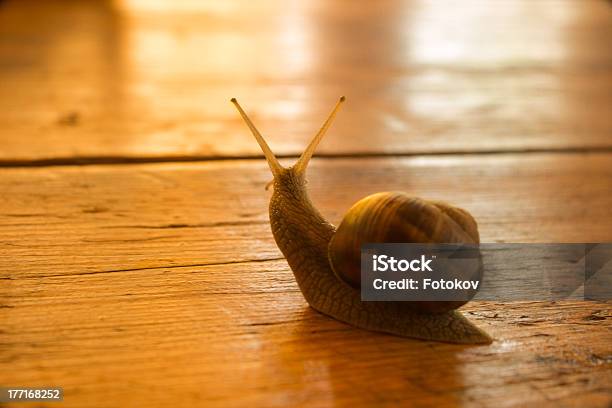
(161, 284)
(243, 336)
(217, 212)
(134, 80)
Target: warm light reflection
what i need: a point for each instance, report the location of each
(153, 77)
(164, 6)
(163, 54)
(224, 43)
(293, 42)
(469, 50)
(446, 33)
(293, 37)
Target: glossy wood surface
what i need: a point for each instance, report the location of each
(159, 284)
(162, 283)
(151, 79)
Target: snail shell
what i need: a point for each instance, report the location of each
(390, 217)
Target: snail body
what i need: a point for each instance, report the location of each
(322, 257)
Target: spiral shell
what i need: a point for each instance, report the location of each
(390, 217)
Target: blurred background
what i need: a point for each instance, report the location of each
(151, 79)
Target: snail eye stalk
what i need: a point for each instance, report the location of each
(302, 163)
(275, 166)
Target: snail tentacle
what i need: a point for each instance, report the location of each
(302, 163)
(275, 166)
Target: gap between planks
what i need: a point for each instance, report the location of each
(112, 160)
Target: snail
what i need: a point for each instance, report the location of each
(325, 260)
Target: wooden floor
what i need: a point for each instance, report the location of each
(137, 266)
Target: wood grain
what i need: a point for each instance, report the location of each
(114, 81)
(143, 216)
(160, 284)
